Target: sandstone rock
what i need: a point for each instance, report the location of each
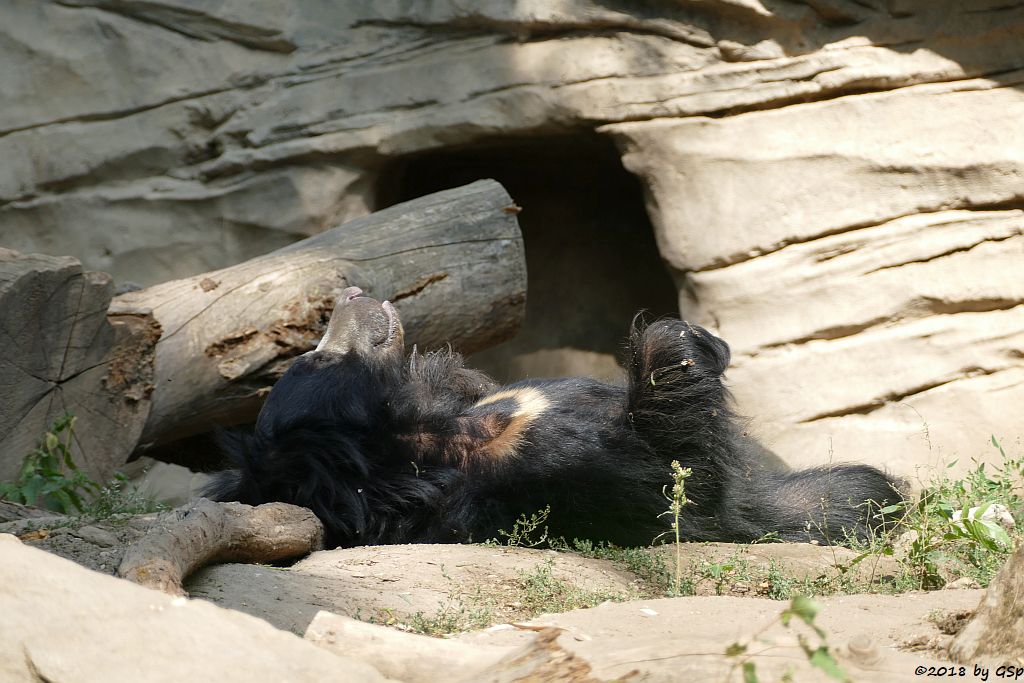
(171, 485)
(214, 134)
(63, 623)
(421, 659)
(886, 320)
(72, 624)
(673, 639)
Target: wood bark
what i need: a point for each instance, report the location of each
(60, 352)
(10, 512)
(451, 262)
(183, 357)
(996, 631)
(194, 535)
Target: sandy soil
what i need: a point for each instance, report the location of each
(487, 590)
(485, 594)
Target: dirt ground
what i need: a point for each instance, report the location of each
(493, 594)
(488, 592)
(464, 586)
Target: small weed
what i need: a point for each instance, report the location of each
(48, 477)
(677, 500)
(118, 498)
(533, 592)
(523, 529)
(780, 586)
(544, 593)
(718, 572)
(451, 617)
(649, 567)
(456, 613)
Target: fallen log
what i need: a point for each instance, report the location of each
(179, 358)
(451, 262)
(11, 512)
(61, 352)
(194, 535)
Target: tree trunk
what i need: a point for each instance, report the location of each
(451, 262)
(60, 352)
(995, 634)
(184, 356)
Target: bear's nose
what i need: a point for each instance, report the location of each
(351, 293)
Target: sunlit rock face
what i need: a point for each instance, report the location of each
(837, 187)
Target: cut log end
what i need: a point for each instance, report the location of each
(63, 354)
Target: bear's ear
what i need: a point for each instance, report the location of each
(489, 432)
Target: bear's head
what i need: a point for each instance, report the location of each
(365, 326)
(360, 355)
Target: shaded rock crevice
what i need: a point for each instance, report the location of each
(192, 23)
(880, 402)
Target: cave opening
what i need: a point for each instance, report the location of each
(591, 257)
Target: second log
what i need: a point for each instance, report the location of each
(452, 263)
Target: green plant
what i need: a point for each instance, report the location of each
(718, 572)
(451, 617)
(541, 592)
(523, 529)
(119, 498)
(643, 563)
(780, 586)
(48, 476)
(818, 653)
(947, 525)
(677, 500)
(533, 592)
(457, 613)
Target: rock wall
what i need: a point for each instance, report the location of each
(836, 184)
(863, 256)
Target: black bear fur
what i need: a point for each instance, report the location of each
(389, 449)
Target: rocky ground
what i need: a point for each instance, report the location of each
(489, 598)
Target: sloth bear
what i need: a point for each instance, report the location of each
(386, 449)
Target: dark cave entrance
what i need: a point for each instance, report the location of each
(591, 257)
